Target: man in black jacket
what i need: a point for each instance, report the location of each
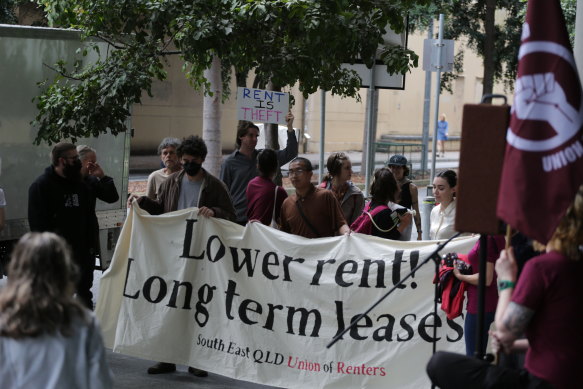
(59, 202)
(100, 187)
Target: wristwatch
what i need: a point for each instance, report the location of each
(505, 284)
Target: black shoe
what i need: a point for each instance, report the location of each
(197, 372)
(162, 368)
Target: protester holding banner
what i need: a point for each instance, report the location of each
(408, 196)
(442, 217)
(240, 167)
(264, 198)
(193, 186)
(389, 220)
(311, 212)
(47, 338)
(545, 305)
(338, 181)
(494, 246)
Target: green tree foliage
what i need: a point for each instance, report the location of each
(7, 15)
(465, 19)
(283, 41)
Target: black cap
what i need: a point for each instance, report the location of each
(398, 160)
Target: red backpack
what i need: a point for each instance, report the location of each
(363, 223)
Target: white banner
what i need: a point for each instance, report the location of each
(261, 305)
(264, 106)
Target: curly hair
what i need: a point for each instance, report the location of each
(384, 187)
(194, 146)
(568, 237)
(38, 298)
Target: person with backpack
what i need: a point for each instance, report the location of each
(382, 217)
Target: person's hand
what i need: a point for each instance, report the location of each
(456, 272)
(95, 170)
(496, 345)
(289, 118)
(419, 235)
(405, 219)
(506, 268)
(206, 212)
(131, 199)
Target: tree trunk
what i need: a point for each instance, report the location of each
(271, 129)
(489, 45)
(211, 118)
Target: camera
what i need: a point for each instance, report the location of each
(449, 259)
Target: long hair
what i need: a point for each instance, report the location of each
(384, 187)
(568, 237)
(334, 165)
(38, 296)
(267, 163)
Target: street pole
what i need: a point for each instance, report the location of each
(437, 92)
(426, 110)
(322, 133)
(369, 132)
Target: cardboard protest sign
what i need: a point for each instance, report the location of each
(258, 105)
(260, 305)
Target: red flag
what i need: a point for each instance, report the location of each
(543, 164)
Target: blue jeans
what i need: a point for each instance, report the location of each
(470, 325)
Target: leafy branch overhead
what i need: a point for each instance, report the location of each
(286, 42)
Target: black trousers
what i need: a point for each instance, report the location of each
(86, 264)
(452, 371)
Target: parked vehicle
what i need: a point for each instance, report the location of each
(25, 52)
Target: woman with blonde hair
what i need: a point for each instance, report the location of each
(338, 181)
(47, 338)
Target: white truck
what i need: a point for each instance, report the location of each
(24, 51)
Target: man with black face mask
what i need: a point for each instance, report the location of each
(191, 187)
(58, 201)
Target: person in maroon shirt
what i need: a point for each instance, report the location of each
(495, 243)
(264, 198)
(545, 305)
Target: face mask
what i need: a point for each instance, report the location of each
(191, 168)
(73, 172)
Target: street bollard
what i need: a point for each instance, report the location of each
(428, 204)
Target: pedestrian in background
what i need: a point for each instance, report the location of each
(47, 338)
(408, 195)
(59, 202)
(100, 187)
(442, 133)
(338, 181)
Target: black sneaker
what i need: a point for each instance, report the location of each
(197, 372)
(162, 368)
